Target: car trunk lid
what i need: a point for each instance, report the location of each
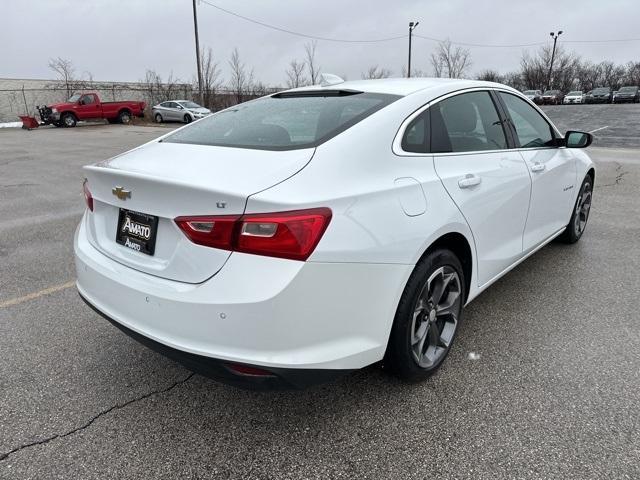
(168, 180)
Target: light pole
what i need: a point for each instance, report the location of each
(195, 27)
(553, 54)
(411, 27)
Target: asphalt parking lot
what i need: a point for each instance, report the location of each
(543, 381)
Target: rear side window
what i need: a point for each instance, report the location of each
(416, 135)
(467, 122)
(284, 122)
(532, 130)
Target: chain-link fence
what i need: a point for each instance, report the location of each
(18, 97)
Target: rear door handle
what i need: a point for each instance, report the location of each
(469, 181)
(538, 167)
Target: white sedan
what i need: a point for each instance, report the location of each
(290, 239)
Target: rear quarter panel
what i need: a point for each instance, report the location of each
(355, 175)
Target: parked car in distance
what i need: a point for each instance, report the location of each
(294, 238)
(552, 97)
(88, 106)
(627, 94)
(600, 95)
(575, 96)
(184, 111)
(534, 95)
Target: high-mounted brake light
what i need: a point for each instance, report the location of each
(293, 235)
(88, 198)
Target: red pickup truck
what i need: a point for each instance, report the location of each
(87, 106)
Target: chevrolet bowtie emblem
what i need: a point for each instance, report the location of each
(121, 193)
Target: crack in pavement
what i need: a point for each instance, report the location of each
(617, 180)
(119, 406)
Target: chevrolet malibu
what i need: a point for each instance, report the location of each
(290, 239)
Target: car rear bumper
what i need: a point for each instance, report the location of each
(267, 312)
(278, 378)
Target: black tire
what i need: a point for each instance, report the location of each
(580, 213)
(124, 117)
(68, 120)
(406, 355)
(158, 118)
(187, 118)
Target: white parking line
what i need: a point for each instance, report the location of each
(598, 129)
(34, 295)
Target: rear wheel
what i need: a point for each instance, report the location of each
(427, 318)
(187, 118)
(580, 213)
(124, 117)
(158, 118)
(68, 120)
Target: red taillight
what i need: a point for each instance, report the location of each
(292, 235)
(88, 199)
(216, 232)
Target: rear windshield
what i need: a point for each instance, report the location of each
(286, 121)
(628, 89)
(574, 93)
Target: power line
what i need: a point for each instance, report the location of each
(399, 37)
(482, 45)
(300, 34)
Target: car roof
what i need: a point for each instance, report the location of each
(403, 86)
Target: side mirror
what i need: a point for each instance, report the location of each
(574, 139)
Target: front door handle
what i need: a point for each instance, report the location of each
(469, 181)
(538, 167)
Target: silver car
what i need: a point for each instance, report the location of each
(179, 111)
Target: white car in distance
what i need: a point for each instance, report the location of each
(290, 239)
(575, 96)
(184, 111)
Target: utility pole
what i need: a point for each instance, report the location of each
(195, 27)
(553, 55)
(411, 27)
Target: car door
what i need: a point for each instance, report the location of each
(88, 107)
(552, 169)
(488, 181)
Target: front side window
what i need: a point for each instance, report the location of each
(284, 121)
(87, 100)
(532, 130)
(466, 123)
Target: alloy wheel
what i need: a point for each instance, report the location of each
(435, 317)
(583, 206)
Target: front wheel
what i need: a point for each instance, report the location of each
(187, 118)
(580, 214)
(68, 120)
(427, 318)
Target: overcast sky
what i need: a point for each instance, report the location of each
(120, 39)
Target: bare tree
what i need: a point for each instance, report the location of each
(632, 74)
(535, 69)
(490, 76)
(295, 74)
(241, 81)
(450, 61)
(374, 72)
(66, 72)
(415, 72)
(156, 90)
(314, 68)
(211, 81)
